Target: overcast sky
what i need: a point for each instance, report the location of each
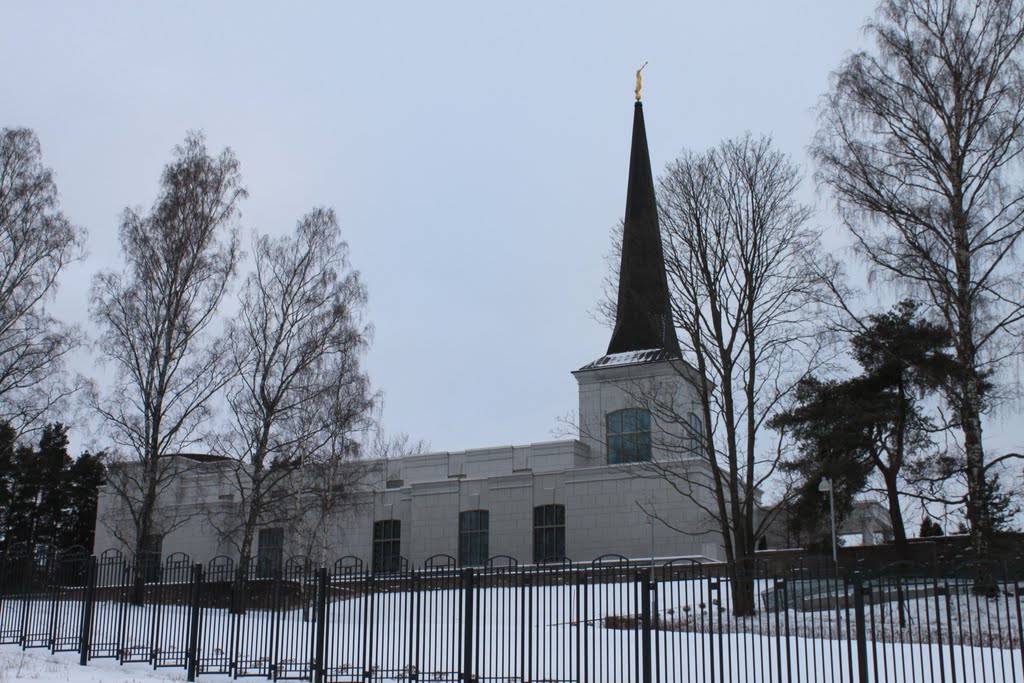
(476, 154)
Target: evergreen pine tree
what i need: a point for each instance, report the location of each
(872, 422)
(46, 498)
(81, 490)
(7, 479)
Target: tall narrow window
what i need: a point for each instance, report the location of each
(694, 434)
(473, 537)
(548, 533)
(269, 552)
(629, 436)
(387, 546)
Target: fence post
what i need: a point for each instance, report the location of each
(55, 575)
(368, 591)
(645, 618)
(582, 613)
(28, 567)
(780, 605)
(414, 631)
(468, 581)
(789, 632)
(321, 624)
(707, 603)
(861, 630)
(714, 608)
(193, 627)
(85, 637)
(526, 629)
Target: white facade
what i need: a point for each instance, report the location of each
(603, 504)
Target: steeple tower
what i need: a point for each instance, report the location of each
(643, 367)
(643, 314)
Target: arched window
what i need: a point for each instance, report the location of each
(629, 436)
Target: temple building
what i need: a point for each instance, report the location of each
(613, 490)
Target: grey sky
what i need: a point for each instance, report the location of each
(476, 153)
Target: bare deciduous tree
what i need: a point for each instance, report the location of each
(345, 454)
(920, 141)
(36, 242)
(154, 320)
(737, 247)
(298, 393)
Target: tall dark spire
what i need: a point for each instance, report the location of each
(643, 315)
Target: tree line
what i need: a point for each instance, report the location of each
(47, 497)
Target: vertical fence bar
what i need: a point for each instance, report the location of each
(713, 602)
(938, 630)
(193, 628)
(645, 617)
(847, 587)
(26, 588)
(861, 630)
(468, 580)
(779, 606)
(410, 626)
(122, 617)
(321, 624)
(952, 640)
(414, 629)
(788, 631)
(85, 639)
(1020, 628)
(156, 614)
(582, 664)
(706, 602)
(54, 579)
(369, 589)
(525, 627)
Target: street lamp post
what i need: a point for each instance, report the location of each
(826, 485)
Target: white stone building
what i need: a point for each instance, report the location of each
(574, 499)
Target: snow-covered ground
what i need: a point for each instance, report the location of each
(39, 666)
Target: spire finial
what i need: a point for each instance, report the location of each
(643, 310)
(638, 81)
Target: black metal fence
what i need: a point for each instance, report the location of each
(611, 620)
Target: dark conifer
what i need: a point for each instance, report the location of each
(873, 421)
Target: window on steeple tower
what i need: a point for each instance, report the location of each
(694, 434)
(629, 436)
